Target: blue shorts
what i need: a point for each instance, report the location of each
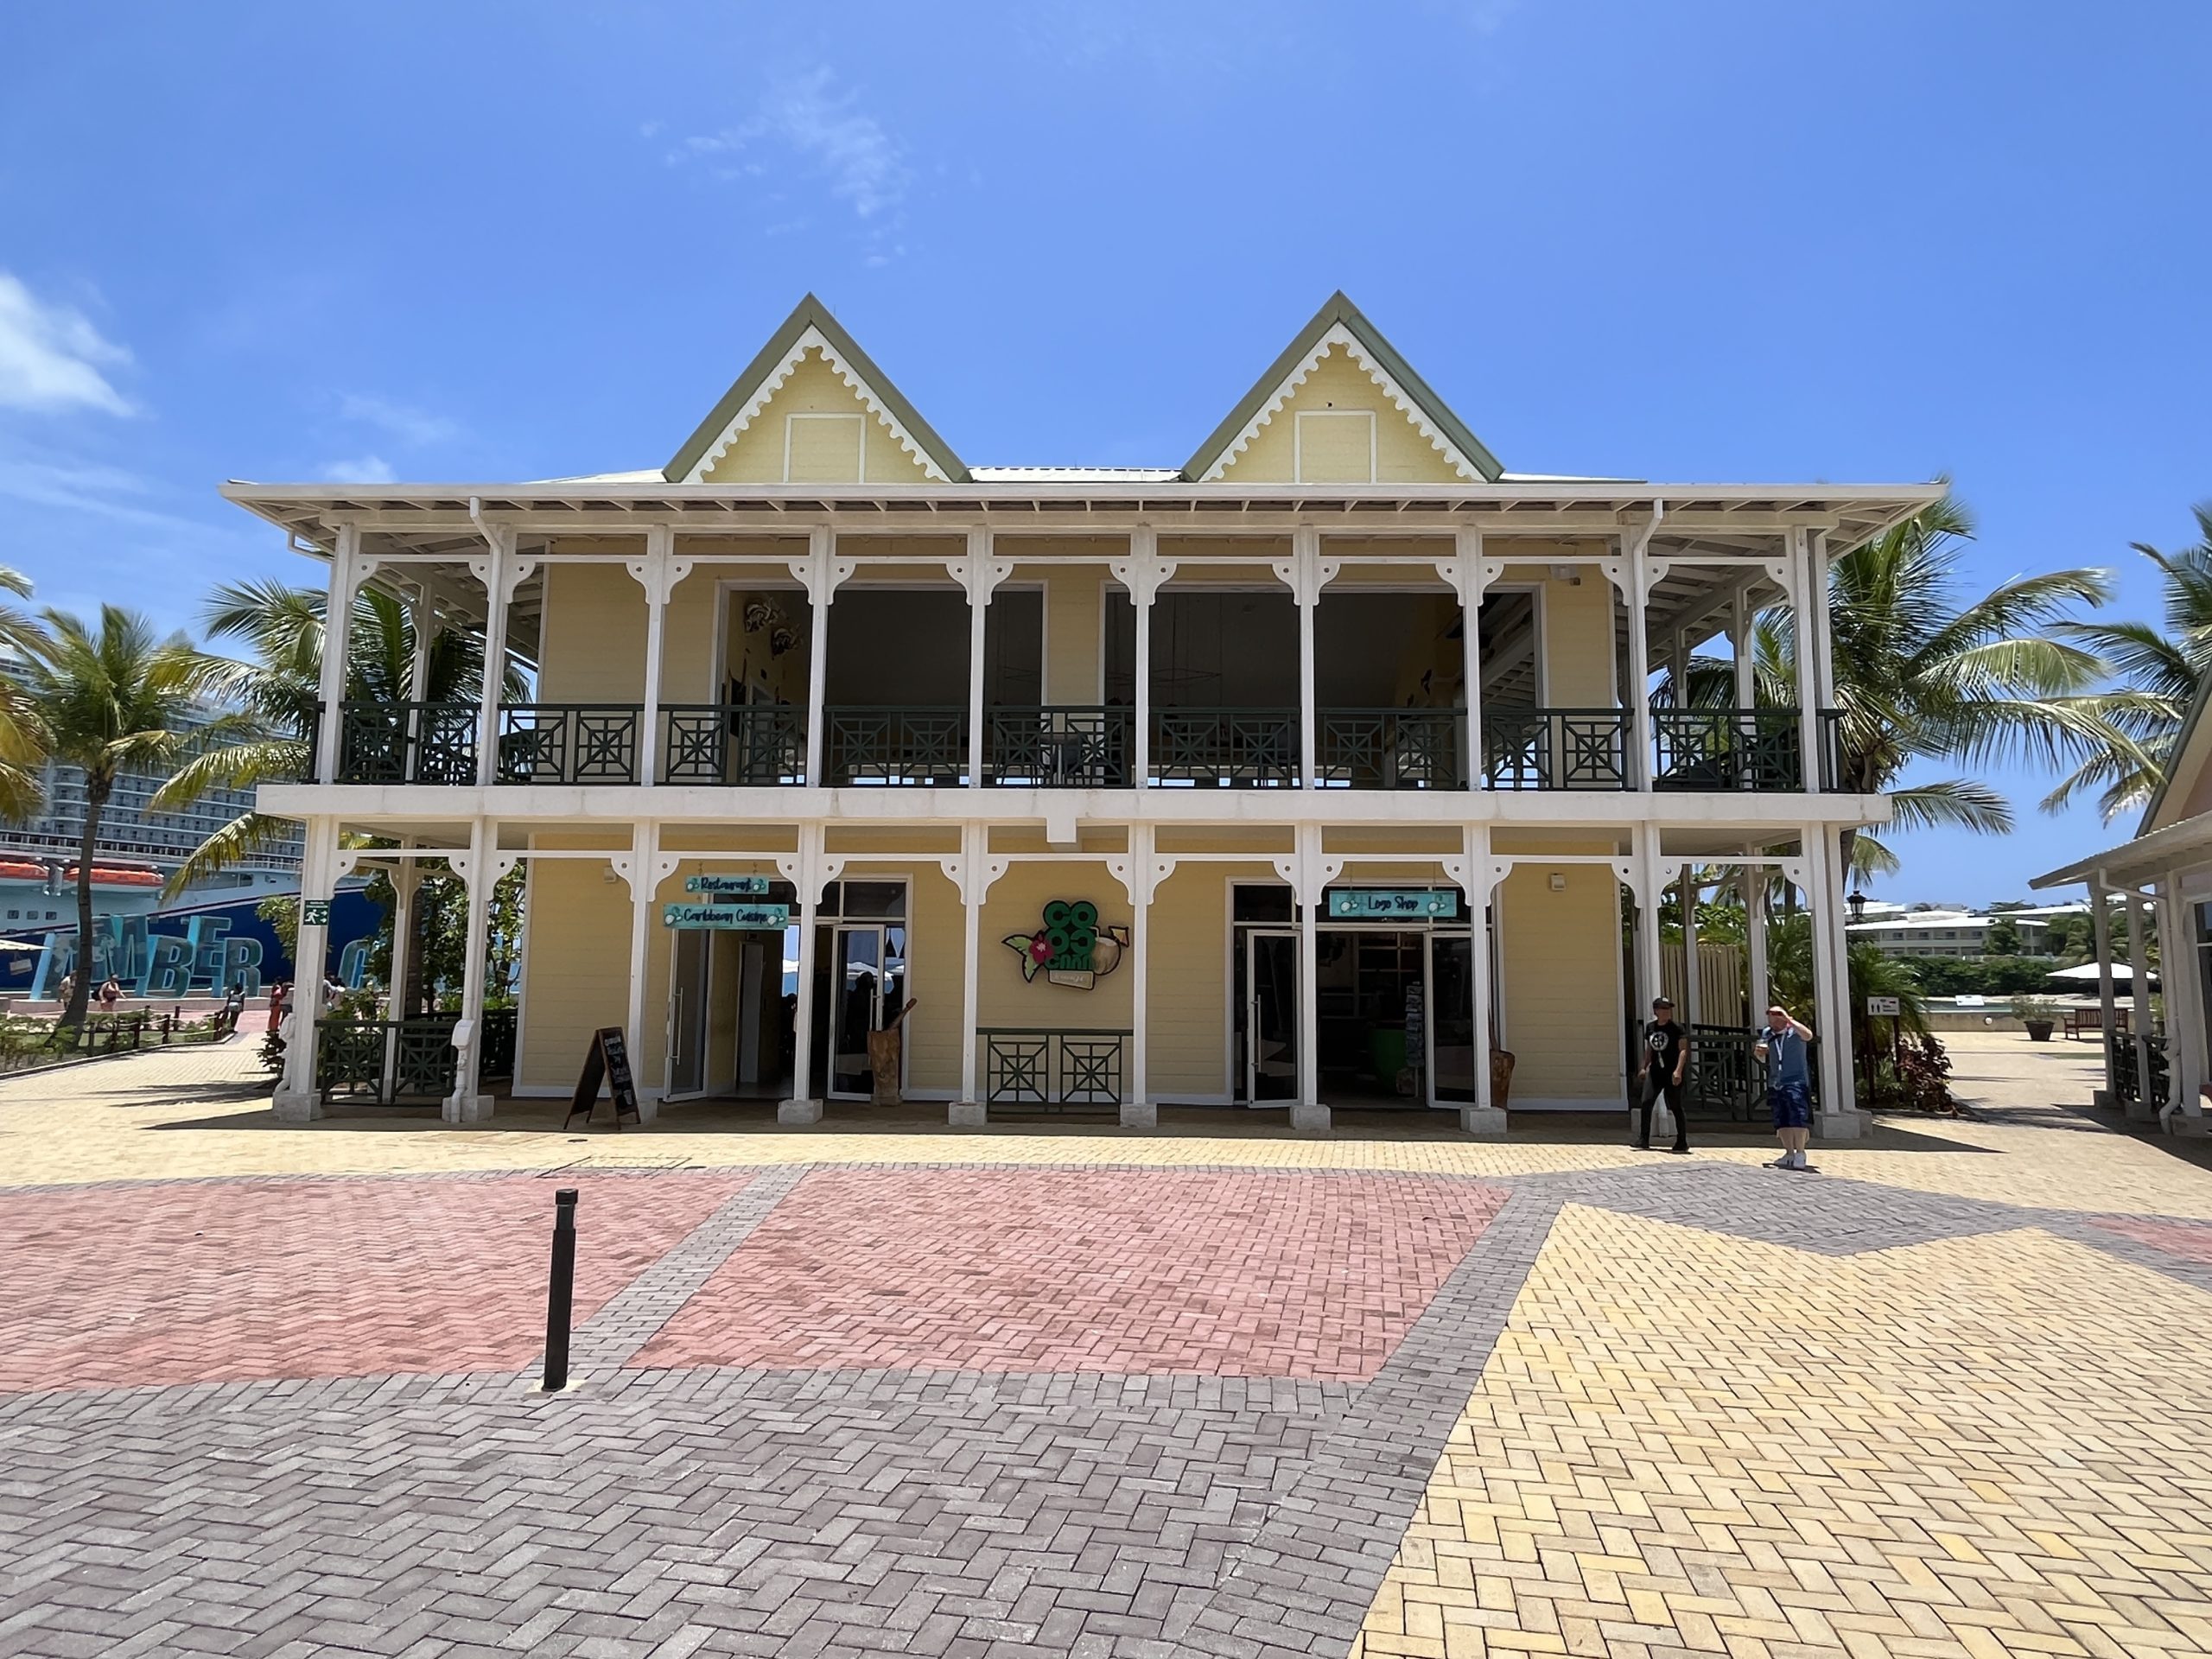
(1792, 1105)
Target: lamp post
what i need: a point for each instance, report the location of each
(1857, 900)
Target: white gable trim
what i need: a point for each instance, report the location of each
(812, 340)
(1339, 335)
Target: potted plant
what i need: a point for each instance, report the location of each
(2038, 1014)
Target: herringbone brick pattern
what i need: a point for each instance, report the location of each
(1225, 1274)
(2190, 1240)
(172, 1283)
(1691, 1444)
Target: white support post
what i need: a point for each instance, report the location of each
(1637, 593)
(467, 1104)
(1693, 893)
(657, 573)
(1678, 668)
(1305, 585)
(1485, 1119)
(496, 572)
(1309, 1113)
(406, 879)
(2142, 1108)
(971, 1110)
(1648, 891)
(2184, 1014)
(1142, 576)
(1739, 649)
(821, 578)
(422, 622)
(1466, 576)
(1141, 872)
(1805, 620)
(346, 575)
(979, 613)
(1839, 1105)
(642, 868)
(808, 870)
(2100, 932)
(298, 1100)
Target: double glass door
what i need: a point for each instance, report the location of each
(867, 982)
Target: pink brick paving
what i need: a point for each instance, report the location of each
(1225, 1274)
(201, 1282)
(2190, 1239)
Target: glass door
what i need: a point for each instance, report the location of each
(1449, 1009)
(859, 968)
(1270, 1014)
(687, 1014)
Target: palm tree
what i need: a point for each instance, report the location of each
(1920, 676)
(22, 749)
(277, 690)
(2160, 670)
(105, 699)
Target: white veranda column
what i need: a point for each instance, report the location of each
(347, 570)
(2143, 1107)
(1142, 873)
(1693, 893)
(1309, 874)
(808, 870)
(1468, 581)
(2100, 932)
(1635, 580)
(500, 571)
(1757, 992)
(479, 875)
(644, 870)
(1740, 651)
(821, 572)
(2184, 1011)
(976, 872)
(1806, 619)
(1141, 575)
(1839, 1106)
(297, 1097)
(657, 573)
(1306, 586)
(1478, 880)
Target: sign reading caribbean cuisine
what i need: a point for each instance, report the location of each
(744, 885)
(1376, 904)
(1072, 949)
(747, 917)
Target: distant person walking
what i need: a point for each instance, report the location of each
(1784, 1046)
(67, 989)
(275, 1005)
(1666, 1053)
(110, 994)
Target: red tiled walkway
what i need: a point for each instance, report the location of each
(1237, 1274)
(203, 1281)
(2190, 1239)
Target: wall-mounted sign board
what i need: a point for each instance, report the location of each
(750, 917)
(737, 885)
(1379, 904)
(314, 913)
(1890, 1005)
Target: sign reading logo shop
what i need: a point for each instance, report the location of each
(1378, 903)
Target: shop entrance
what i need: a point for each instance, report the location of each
(730, 1020)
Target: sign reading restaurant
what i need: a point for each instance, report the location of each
(727, 886)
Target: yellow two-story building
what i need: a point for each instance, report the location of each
(1303, 775)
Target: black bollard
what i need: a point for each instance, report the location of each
(560, 1290)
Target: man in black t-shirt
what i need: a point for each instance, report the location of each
(1666, 1053)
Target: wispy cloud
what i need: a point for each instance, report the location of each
(362, 469)
(413, 427)
(52, 358)
(807, 120)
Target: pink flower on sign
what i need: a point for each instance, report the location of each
(1040, 949)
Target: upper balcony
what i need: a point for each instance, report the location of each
(1247, 663)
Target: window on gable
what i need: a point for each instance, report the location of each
(824, 449)
(1335, 445)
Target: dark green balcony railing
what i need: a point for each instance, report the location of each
(569, 743)
(1760, 749)
(752, 744)
(1058, 747)
(1390, 748)
(1226, 748)
(2127, 1083)
(407, 742)
(386, 1062)
(916, 748)
(1556, 748)
(1054, 1071)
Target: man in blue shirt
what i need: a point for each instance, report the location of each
(1783, 1045)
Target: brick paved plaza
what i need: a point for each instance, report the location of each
(887, 1388)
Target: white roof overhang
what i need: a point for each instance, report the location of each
(2146, 857)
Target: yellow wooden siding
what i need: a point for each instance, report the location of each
(1016, 905)
(824, 449)
(1560, 956)
(1402, 455)
(1073, 599)
(593, 648)
(756, 455)
(577, 966)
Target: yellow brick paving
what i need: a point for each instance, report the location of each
(1689, 1444)
(186, 1113)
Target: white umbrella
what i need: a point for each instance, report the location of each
(2122, 973)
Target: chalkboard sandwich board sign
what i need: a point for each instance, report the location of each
(606, 1060)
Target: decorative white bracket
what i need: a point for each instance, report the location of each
(626, 866)
(1140, 877)
(658, 577)
(980, 577)
(1309, 883)
(822, 576)
(986, 872)
(826, 870)
(1143, 577)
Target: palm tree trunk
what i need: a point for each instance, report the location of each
(81, 991)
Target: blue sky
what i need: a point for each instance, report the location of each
(1733, 241)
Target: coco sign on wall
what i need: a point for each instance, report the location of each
(1070, 949)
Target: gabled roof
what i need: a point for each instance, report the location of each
(2187, 749)
(1340, 321)
(810, 327)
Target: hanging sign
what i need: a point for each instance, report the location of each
(1376, 904)
(606, 1060)
(740, 885)
(747, 917)
(1072, 949)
